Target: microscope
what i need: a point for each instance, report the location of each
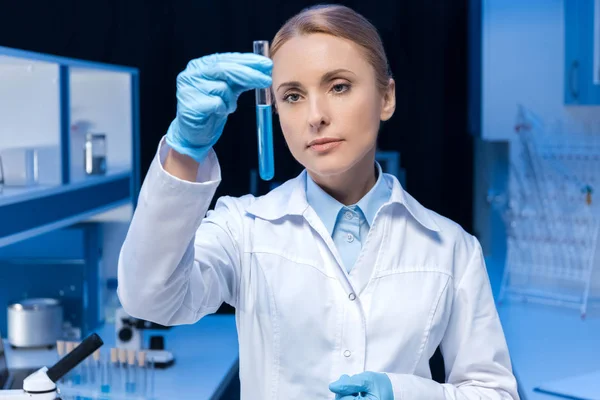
(129, 335)
(41, 385)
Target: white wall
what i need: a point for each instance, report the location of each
(523, 62)
(523, 51)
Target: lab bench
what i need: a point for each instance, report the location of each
(547, 343)
(206, 358)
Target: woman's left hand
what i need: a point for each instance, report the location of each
(366, 385)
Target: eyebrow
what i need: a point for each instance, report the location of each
(325, 78)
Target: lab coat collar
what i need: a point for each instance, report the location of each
(290, 199)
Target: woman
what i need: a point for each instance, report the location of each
(343, 284)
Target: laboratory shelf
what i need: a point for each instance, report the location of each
(48, 104)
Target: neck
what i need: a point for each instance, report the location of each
(352, 185)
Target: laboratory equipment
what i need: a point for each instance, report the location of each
(41, 385)
(142, 370)
(105, 373)
(20, 166)
(552, 222)
(122, 365)
(130, 382)
(114, 370)
(95, 154)
(35, 322)
(129, 336)
(264, 122)
(95, 368)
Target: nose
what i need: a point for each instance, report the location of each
(318, 116)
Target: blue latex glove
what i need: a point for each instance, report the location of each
(366, 385)
(207, 92)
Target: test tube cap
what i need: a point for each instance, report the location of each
(69, 346)
(141, 357)
(60, 347)
(131, 357)
(122, 356)
(113, 355)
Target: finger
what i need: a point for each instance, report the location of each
(213, 88)
(199, 102)
(348, 386)
(239, 77)
(351, 397)
(251, 60)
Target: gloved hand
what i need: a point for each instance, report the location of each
(207, 92)
(366, 385)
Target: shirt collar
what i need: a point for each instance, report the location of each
(328, 208)
(289, 199)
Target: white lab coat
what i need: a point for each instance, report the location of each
(420, 281)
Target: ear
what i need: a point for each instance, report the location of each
(388, 102)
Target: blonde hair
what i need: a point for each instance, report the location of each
(343, 22)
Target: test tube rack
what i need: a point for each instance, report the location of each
(552, 218)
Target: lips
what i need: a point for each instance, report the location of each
(322, 141)
(324, 145)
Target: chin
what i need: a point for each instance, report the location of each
(329, 165)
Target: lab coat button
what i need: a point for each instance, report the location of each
(352, 296)
(347, 353)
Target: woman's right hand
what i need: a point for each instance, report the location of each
(207, 92)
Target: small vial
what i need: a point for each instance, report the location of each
(142, 372)
(130, 383)
(70, 377)
(60, 350)
(94, 154)
(264, 122)
(123, 370)
(105, 373)
(95, 368)
(115, 371)
(151, 377)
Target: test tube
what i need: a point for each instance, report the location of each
(152, 377)
(143, 373)
(70, 376)
(264, 122)
(95, 368)
(131, 373)
(105, 372)
(115, 371)
(123, 369)
(60, 350)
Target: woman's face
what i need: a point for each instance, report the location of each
(328, 102)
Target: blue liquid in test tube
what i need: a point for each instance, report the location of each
(264, 122)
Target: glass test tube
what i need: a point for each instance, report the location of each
(142, 372)
(123, 370)
(151, 378)
(60, 350)
(70, 377)
(130, 382)
(95, 368)
(105, 372)
(264, 122)
(115, 371)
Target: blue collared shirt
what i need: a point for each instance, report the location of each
(348, 225)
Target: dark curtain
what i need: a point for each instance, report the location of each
(426, 42)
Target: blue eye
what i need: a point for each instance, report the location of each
(340, 88)
(288, 97)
